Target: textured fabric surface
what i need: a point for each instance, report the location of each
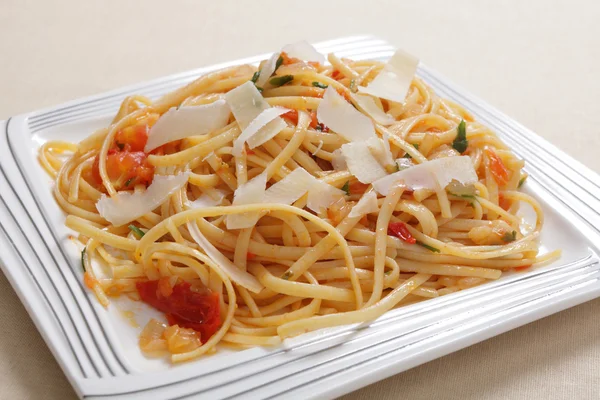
(536, 61)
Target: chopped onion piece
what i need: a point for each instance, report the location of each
(125, 207)
(267, 70)
(366, 205)
(338, 161)
(341, 117)
(290, 188)
(182, 122)
(322, 195)
(237, 275)
(368, 105)
(431, 175)
(303, 51)
(361, 162)
(263, 128)
(251, 192)
(460, 189)
(394, 80)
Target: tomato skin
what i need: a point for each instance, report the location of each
(357, 187)
(497, 167)
(291, 116)
(400, 230)
(184, 307)
(132, 138)
(125, 169)
(287, 60)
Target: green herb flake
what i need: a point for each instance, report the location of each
(353, 86)
(259, 89)
(281, 80)
(397, 167)
(521, 181)
(509, 237)
(137, 231)
(320, 85)
(83, 258)
(428, 247)
(255, 77)
(416, 146)
(128, 182)
(387, 272)
(287, 275)
(278, 63)
(346, 188)
(461, 143)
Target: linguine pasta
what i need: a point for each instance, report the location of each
(330, 204)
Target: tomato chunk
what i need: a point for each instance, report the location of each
(400, 230)
(184, 307)
(497, 167)
(125, 169)
(358, 187)
(291, 116)
(287, 60)
(132, 138)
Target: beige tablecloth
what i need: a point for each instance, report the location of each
(538, 61)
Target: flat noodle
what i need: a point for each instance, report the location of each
(317, 269)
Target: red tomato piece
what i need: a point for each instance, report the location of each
(184, 307)
(287, 60)
(503, 202)
(357, 187)
(132, 138)
(125, 169)
(400, 230)
(291, 116)
(250, 256)
(497, 167)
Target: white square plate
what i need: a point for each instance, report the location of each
(97, 348)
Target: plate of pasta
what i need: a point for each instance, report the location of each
(300, 223)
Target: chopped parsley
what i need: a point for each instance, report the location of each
(281, 80)
(83, 258)
(397, 167)
(255, 77)
(416, 146)
(346, 188)
(128, 181)
(287, 275)
(509, 237)
(259, 89)
(461, 143)
(521, 181)
(137, 231)
(320, 85)
(428, 247)
(278, 63)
